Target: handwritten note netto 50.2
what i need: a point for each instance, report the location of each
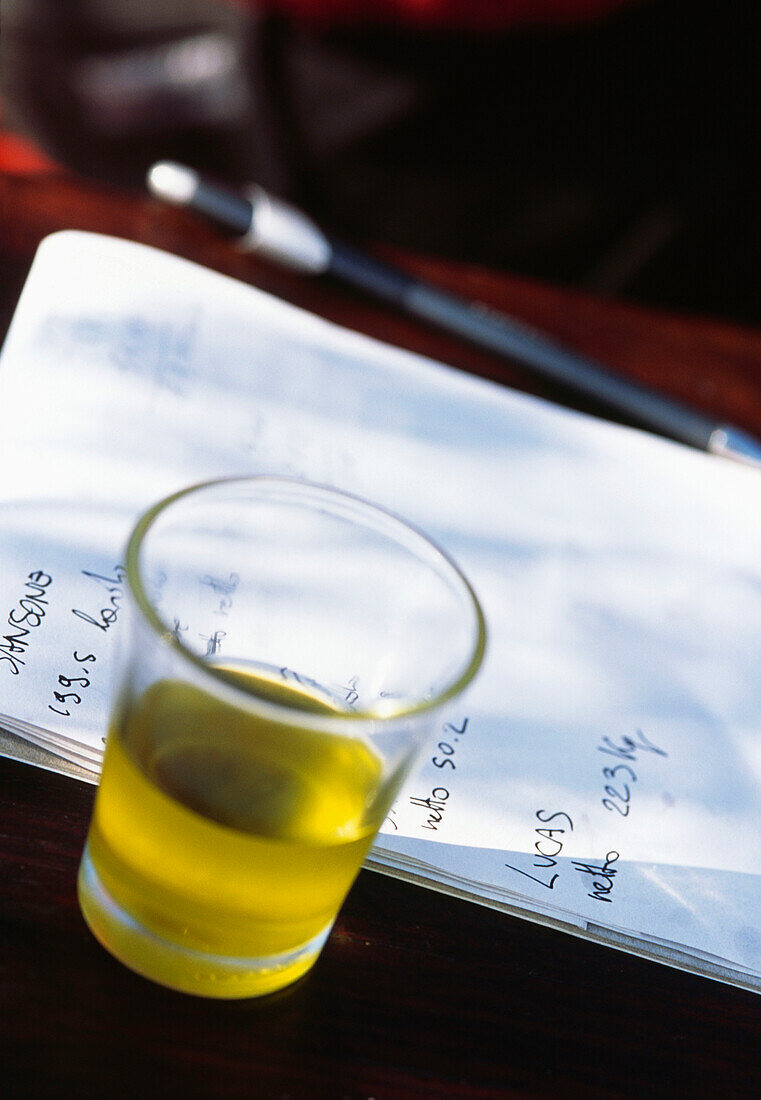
(604, 774)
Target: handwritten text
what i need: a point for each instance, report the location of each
(26, 616)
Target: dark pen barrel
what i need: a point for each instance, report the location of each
(226, 209)
(505, 336)
(374, 277)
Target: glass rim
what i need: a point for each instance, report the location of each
(281, 711)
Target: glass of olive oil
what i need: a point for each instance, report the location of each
(287, 650)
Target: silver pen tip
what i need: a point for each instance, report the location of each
(730, 442)
(172, 182)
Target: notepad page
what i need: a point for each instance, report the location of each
(605, 767)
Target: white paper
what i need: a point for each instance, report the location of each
(620, 577)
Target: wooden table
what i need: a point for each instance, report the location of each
(416, 994)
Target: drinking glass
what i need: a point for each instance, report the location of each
(287, 649)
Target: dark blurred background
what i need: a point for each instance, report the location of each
(614, 153)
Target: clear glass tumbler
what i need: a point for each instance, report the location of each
(288, 648)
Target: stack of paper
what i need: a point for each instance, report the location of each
(604, 771)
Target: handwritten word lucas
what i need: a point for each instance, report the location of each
(548, 846)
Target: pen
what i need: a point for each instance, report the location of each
(274, 229)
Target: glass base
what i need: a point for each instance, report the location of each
(182, 968)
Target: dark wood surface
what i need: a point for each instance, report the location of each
(416, 994)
